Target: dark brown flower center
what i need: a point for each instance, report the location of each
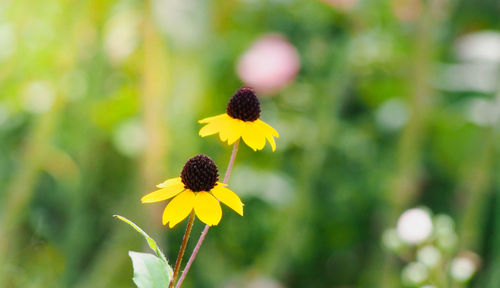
(244, 105)
(199, 173)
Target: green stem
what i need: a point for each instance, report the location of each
(185, 239)
(205, 230)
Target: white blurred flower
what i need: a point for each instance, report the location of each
(264, 282)
(130, 138)
(185, 21)
(39, 96)
(444, 224)
(371, 47)
(481, 46)
(37, 34)
(297, 131)
(298, 96)
(480, 77)
(256, 282)
(462, 269)
(484, 112)
(414, 226)
(121, 35)
(391, 240)
(444, 228)
(481, 53)
(274, 188)
(392, 115)
(447, 241)
(73, 84)
(429, 255)
(7, 41)
(269, 64)
(414, 273)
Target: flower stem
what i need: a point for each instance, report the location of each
(205, 230)
(231, 162)
(182, 249)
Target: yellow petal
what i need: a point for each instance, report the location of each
(224, 128)
(207, 208)
(229, 198)
(234, 129)
(268, 128)
(229, 129)
(169, 182)
(253, 136)
(209, 129)
(214, 125)
(179, 208)
(267, 134)
(163, 194)
(270, 139)
(211, 119)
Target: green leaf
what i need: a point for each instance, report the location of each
(151, 242)
(149, 270)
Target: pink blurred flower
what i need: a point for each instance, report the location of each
(343, 5)
(406, 10)
(269, 64)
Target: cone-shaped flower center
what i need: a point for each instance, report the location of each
(244, 105)
(199, 173)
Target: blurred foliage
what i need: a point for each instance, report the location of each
(100, 102)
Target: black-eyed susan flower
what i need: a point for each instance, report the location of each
(241, 120)
(197, 188)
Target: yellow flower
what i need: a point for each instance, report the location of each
(241, 120)
(197, 189)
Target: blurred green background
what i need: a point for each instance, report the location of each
(381, 106)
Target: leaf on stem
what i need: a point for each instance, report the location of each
(149, 270)
(152, 244)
